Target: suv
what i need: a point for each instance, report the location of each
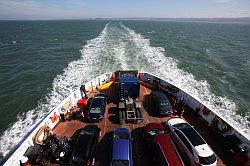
(195, 149)
(85, 146)
(122, 148)
(97, 109)
(161, 145)
(160, 100)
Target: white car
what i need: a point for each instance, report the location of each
(195, 151)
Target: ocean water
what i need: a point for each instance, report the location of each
(41, 62)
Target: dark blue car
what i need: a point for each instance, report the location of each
(84, 151)
(161, 103)
(97, 109)
(122, 148)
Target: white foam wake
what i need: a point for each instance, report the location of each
(156, 62)
(63, 85)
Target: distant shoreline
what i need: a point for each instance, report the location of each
(245, 20)
(138, 18)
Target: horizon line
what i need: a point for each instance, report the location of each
(122, 18)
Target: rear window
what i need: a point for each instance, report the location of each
(121, 135)
(165, 106)
(96, 110)
(207, 160)
(120, 163)
(192, 136)
(190, 133)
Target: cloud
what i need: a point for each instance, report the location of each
(31, 9)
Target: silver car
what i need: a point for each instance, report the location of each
(195, 151)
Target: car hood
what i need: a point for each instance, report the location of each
(204, 150)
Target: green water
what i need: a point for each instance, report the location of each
(40, 64)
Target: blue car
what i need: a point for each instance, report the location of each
(97, 109)
(122, 148)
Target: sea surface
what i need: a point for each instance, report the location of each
(41, 62)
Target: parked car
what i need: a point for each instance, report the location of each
(161, 102)
(161, 145)
(97, 109)
(122, 148)
(84, 151)
(194, 148)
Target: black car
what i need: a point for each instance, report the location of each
(161, 103)
(97, 109)
(84, 150)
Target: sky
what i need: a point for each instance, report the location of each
(82, 9)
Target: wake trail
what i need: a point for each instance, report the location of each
(154, 60)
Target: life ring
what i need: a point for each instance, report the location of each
(220, 126)
(206, 111)
(42, 134)
(54, 118)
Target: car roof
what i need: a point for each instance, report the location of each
(175, 121)
(168, 148)
(125, 130)
(151, 126)
(84, 146)
(97, 101)
(121, 149)
(192, 136)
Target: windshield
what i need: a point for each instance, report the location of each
(192, 136)
(207, 160)
(96, 110)
(121, 135)
(165, 106)
(155, 132)
(120, 163)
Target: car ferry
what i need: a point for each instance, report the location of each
(131, 118)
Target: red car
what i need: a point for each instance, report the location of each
(161, 145)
